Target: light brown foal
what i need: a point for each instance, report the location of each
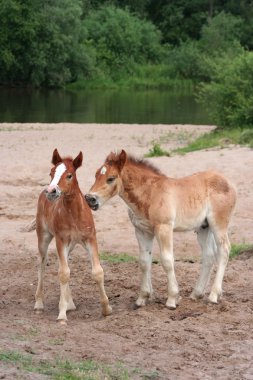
(63, 213)
(159, 205)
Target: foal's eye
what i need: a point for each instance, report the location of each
(69, 176)
(110, 180)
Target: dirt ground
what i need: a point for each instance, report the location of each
(197, 340)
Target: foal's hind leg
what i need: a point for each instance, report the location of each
(98, 275)
(44, 238)
(145, 260)
(223, 246)
(208, 248)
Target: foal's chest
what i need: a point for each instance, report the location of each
(140, 222)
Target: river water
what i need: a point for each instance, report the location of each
(100, 106)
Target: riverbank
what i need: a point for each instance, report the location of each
(153, 341)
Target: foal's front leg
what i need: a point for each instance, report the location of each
(98, 275)
(164, 235)
(44, 238)
(145, 261)
(66, 302)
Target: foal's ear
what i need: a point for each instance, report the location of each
(122, 159)
(77, 162)
(56, 158)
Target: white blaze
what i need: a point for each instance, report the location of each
(58, 173)
(103, 170)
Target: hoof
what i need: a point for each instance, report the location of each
(141, 302)
(107, 312)
(195, 296)
(214, 297)
(62, 322)
(38, 311)
(136, 307)
(213, 300)
(171, 304)
(171, 307)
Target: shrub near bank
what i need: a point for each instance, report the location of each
(229, 96)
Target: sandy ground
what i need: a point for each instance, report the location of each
(197, 340)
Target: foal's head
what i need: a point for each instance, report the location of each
(63, 175)
(108, 180)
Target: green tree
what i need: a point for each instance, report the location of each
(222, 33)
(121, 39)
(178, 20)
(17, 40)
(61, 53)
(42, 43)
(219, 42)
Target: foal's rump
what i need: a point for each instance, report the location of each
(222, 199)
(207, 197)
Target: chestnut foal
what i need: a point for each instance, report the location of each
(63, 213)
(159, 205)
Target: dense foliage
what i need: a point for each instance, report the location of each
(53, 43)
(120, 39)
(229, 96)
(41, 42)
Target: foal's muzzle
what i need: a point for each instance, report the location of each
(92, 201)
(53, 194)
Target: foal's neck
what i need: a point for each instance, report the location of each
(136, 187)
(73, 198)
(135, 176)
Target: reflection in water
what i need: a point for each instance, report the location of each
(100, 106)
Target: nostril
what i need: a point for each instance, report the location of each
(53, 191)
(92, 200)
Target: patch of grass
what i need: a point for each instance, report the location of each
(29, 335)
(142, 77)
(117, 258)
(66, 370)
(219, 138)
(56, 342)
(157, 151)
(238, 249)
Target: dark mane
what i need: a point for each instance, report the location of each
(140, 162)
(144, 164)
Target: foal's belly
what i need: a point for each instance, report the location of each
(186, 222)
(181, 222)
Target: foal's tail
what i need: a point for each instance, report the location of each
(208, 245)
(29, 227)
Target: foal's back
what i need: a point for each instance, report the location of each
(189, 201)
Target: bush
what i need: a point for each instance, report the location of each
(157, 151)
(246, 137)
(229, 97)
(187, 61)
